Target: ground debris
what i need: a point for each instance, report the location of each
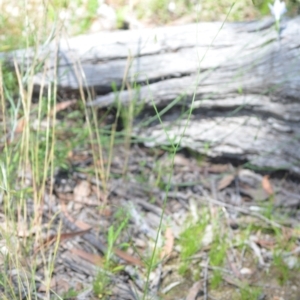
(215, 202)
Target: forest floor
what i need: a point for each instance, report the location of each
(112, 219)
(226, 232)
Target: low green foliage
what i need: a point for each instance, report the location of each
(70, 294)
(281, 268)
(249, 293)
(102, 280)
(6, 287)
(101, 285)
(217, 255)
(191, 240)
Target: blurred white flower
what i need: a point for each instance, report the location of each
(64, 14)
(172, 6)
(277, 9)
(198, 7)
(80, 12)
(12, 10)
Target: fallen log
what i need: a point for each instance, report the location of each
(240, 80)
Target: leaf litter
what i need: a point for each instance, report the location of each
(229, 202)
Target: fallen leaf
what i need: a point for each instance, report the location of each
(249, 178)
(65, 196)
(20, 125)
(92, 258)
(19, 129)
(257, 194)
(56, 284)
(234, 281)
(233, 265)
(105, 211)
(266, 184)
(225, 181)
(194, 290)
(169, 243)
(81, 190)
(62, 106)
(61, 237)
(130, 259)
(180, 160)
(80, 224)
(22, 228)
(269, 244)
(218, 169)
(125, 256)
(70, 154)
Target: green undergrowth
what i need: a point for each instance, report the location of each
(213, 243)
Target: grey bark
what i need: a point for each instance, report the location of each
(241, 79)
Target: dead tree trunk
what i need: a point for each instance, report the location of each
(241, 79)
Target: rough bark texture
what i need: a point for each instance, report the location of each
(242, 79)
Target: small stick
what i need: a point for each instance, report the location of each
(205, 294)
(239, 209)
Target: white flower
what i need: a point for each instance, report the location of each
(277, 9)
(172, 6)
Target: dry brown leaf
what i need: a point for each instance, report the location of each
(80, 224)
(257, 194)
(92, 258)
(68, 235)
(61, 237)
(269, 244)
(65, 196)
(169, 243)
(81, 190)
(22, 228)
(225, 181)
(56, 284)
(233, 264)
(20, 126)
(62, 106)
(105, 211)
(180, 160)
(194, 290)
(218, 169)
(99, 194)
(127, 257)
(234, 281)
(19, 129)
(70, 154)
(266, 184)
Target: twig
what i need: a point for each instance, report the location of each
(169, 287)
(232, 249)
(239, 209)
(257, 252)
(205, 280)
(215, 196)
(233, 267)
